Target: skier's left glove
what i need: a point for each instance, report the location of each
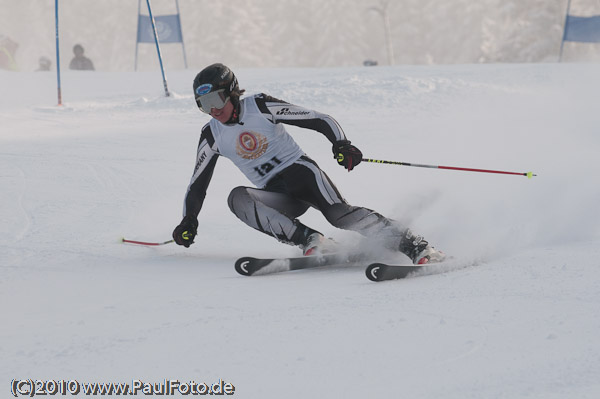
(346, 154)
(186, 231)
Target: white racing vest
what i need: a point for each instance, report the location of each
(257, 146)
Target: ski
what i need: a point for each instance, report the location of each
(249, 266)
(383, 272)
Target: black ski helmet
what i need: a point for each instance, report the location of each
(216, 77)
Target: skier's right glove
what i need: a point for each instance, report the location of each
(186, 231)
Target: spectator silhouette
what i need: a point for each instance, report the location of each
(45, 64)
(8, 49)
(80, 62)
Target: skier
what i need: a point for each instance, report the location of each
(250, 133)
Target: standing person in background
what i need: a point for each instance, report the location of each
(44, 64)
(8, 50)
(250, 132)
(80, 62)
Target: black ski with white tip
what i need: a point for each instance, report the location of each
(249, 266)
(383, 272)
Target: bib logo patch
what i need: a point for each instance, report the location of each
(251, 145)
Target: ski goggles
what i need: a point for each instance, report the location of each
(215, 99)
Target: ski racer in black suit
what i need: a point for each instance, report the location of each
(250, 133)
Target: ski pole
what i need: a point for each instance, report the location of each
(528, 174)
(146, 243)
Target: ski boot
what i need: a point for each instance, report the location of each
(419, 250)
(317, 244)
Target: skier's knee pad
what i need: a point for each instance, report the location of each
(238, 198)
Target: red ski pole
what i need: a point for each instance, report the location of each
(528, 174)
(152, 244)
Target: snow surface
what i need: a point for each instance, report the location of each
(517, 316)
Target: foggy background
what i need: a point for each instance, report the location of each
(300, 33)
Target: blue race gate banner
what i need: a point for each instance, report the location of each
(168, 28)
(582, 29)
(579, 29)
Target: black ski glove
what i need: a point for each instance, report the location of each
(186, 231)
(346, 154)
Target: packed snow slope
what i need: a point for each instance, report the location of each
(517, 315)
